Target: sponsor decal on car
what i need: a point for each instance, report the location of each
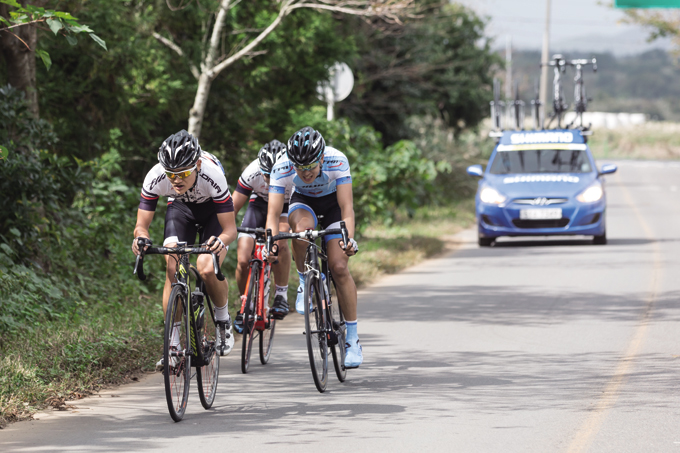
(540, 178)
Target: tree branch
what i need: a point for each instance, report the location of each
(179, 51)
(285, 9)
(22, 24)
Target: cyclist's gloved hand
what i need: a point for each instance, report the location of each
(352, 247)
(216, 245)
(135, 244)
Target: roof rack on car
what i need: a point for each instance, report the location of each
(509, 114)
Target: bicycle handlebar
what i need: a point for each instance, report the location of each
(181, 250)
(310, 235)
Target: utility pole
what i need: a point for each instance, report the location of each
(508, 67)
(544, 59)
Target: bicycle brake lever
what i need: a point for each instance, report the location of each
(216, 268)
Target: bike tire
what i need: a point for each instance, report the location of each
(338, 350)
(315, 326)
(177, 378)
(249, 314)
(267, 340)
(208, 374)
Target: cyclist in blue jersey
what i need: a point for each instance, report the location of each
(322, 185)
(198, 195)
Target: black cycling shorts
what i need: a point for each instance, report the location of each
(326, 206)
(256, 215)
(182, 221)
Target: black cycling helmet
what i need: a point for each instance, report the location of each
(306, 146)
(269, 154)
(180, 150)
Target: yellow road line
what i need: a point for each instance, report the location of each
(589, 429)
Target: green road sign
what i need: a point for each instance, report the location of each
(647, 3)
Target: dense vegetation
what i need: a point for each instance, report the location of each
(70, 179)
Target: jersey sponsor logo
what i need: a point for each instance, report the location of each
(211, 182)
(541, 137)
(154, 182)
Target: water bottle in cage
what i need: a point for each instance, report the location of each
(198, 308)
(267, 286)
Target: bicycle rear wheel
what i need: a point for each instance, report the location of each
(315, 326)
(176, 362)
(207, 375)
(338, 350)
(249, 314)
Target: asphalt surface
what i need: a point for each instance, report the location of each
(530, 345)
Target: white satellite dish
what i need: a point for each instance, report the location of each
(337, 88)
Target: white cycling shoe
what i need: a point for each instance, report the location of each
(353, 354)
(173, 362)
(226, 328)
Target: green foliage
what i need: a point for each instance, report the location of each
(60, 22)
(383, 179)
(439, 64)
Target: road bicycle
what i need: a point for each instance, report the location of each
(580, 98)
(324, 321)
(195, 314)
(257, 321)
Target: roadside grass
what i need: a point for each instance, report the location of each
(387, 249)
(111, 343)
(77, 355)
(653, 140)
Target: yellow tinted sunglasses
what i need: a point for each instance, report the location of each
(180, 174)
(309, 167)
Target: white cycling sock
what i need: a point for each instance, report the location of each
(222, 313)
(352, 333)
(282, 291)
(174, 341)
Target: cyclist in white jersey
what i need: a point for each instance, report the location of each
(322, 182)
(198, 195)
(253, 189)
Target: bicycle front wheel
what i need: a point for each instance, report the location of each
(176, 358)
(315, 332)
(206, 375)
(338, 350)
(249, 315)
(267, 340)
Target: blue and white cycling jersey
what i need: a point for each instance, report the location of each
(334, 172)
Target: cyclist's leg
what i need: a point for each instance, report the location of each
(244, 253)
(282, 271)
(282, 268)
(301, 218)
(217, 290)
(180, 226)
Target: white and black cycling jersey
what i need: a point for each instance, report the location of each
(252, 183)
(211, 185)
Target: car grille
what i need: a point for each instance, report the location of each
(540, 201)
(558, 223)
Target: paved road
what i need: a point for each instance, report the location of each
(531, 345)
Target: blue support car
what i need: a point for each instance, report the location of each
(541, 183)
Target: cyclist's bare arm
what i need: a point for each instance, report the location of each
(274, 211)
(144, 219)
(346, 202)
(240, 200)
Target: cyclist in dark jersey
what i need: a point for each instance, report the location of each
(198, 195)
(253, 189)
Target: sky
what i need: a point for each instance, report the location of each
(583, 25)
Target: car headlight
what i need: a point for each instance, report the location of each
(591, 194)
(492, 196)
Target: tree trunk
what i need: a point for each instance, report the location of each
(20, 59)
(200, 101)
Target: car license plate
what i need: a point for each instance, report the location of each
(540, 214)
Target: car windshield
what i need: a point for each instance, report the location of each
(541, 161)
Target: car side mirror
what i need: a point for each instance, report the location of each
(475, 170)
(608, 169)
